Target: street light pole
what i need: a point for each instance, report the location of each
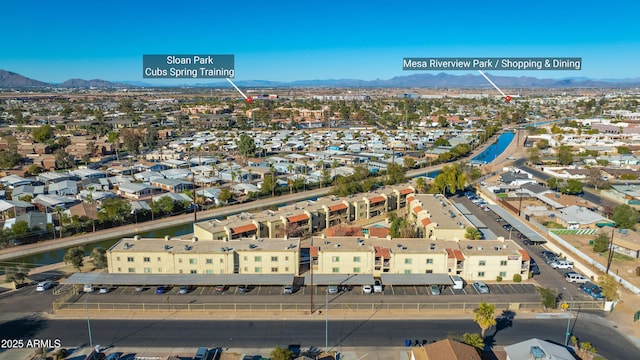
(326, 321)
(568, 332)
(86, 309)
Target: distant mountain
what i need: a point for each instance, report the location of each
(10, 79)
(423, 80)
(96, 83)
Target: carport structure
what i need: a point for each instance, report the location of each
(517, 224)
(416, 279)
(339, 279)
(179, 279)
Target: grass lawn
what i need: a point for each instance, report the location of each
(552, 225)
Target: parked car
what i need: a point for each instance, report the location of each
(481, 287)
(575, 278)
(592, 290)
(140, 288)
(244, 288)
(104, 289)
(367, 289)
(221, 288)
(546, 253)
(561, 264)
(287, 289)
(87, 288)
(44, 285)
(507, 227)
(161, 290)
(377, 286)
(184, 289)
(332, 289)
(435, 289)
(535, 270)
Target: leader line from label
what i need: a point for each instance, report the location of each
(247, 99)
(507, 98)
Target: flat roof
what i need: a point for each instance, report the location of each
(339, 279)
(180, 279)
(416, 279)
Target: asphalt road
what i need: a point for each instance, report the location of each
(341, 333)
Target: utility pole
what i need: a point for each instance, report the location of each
(311, 273)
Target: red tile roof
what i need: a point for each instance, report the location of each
(382, 252)
(313, 251)
(417, 209)
(410, 198)
(455, 254)
(426, 221)
(525, 256)
(243, 229)
(337, 207)
(377, 199)
(298, 218)
(406, 191)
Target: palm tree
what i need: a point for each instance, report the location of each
(421, 184)
(484, 316)
(61, 217)
(90, 200)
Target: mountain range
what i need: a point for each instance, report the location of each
(12, 80)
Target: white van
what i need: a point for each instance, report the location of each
(576, 278)
(458, 282)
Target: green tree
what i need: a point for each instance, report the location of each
(450, 180)
(64, 160)
(115, 210)
(441, 141)
(131, 140)
(625, 216)
(17, 274)
(547, 297)
(75, 257)
(472, 233)
(395, 174)
(601, 243)
(20, 228)
(552, 183)
(42, 134)
(534, 155)
(484, 316)
(609, 287)
(474, 339)
(572, 186)
(34, 170)
(475, 173)
(409, 163)
(246, 146)
(99, 257)
(225, 195)
(280, 353)
(421, 185)
(542, 144)
(163, 205)
(565, 155)
(623, 150)
(63, 141)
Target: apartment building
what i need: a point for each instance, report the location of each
(435, 217)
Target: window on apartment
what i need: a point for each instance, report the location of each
(130, 259)
(257, 270)
(119, 269)
(147, 270)
(429, 261)
(408, 261)
(482, 263)
(146, 259)
(159, 258)
(208, 261)
(131, 270)
(356, 270)
(481, 274)
(429, 272)
(257, 258)
(335, 270)
(503, 262)
(193, 261)
(193, 271)
(159, 270)
(208, 271)
(117, 258)
(286, 269)
(180, 272)
(179, 261)
(335, 258)
(407, 271)
(356, 259)
(245, 258)
(274, 258)
(222, 260)
(246, 269)
(274, 269)
(503, 274)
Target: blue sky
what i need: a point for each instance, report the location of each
(304, 40)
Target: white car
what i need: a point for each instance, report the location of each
(481, 287)
(377, 286)
(367, 289)
(44, 285)
(561, 264)
(104, 289)
(88, 288)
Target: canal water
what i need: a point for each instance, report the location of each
(495, 149)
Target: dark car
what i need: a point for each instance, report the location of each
(535, 270)
(507, 227)
(161, 289)
(592, 290)
(244, 288)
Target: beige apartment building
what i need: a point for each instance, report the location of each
(435, 217)
(179, 256)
